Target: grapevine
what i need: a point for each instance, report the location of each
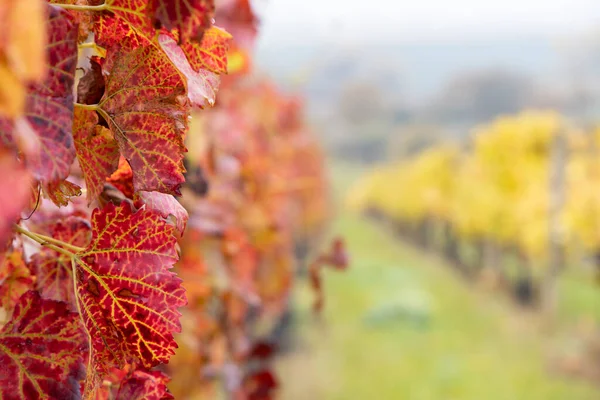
(146, 235)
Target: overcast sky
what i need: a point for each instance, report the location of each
(290, 22)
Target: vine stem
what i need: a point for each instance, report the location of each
(87, 45)
(92, 107)
(51, 244)
(81, 7)
(60, 243)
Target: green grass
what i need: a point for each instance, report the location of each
(399, 325)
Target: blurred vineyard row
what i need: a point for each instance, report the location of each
(514, 205)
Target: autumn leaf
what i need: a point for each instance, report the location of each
(210, 53)
(166, 205)
(126, 293)
(41, 350)
(15, 279)
(124, 20)
(49, 105)
(202, 86)
(22, 55)
(61, 191)
(97, 151)
(15, 190)
(135, 384)
(54, 270)
(145, 108)
(189, 17)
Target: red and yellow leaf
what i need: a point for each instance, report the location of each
(137, 384)
(49, 105)
(41, 350)
(15, 279)
(189, 17)
(128, 297)
(54, 270)
(202, 86)
(144, 105)
(97, 151)
(125, 20)
(61, 191)
(211, 53)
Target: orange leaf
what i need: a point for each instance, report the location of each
(15, 279)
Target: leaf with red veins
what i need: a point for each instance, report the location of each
(137, 384)
(202, 86)
(211, 53)
(54, 270)
(166, 205)
(97, 151)
(128, 297)
(15, 279)
(145, 107)
(49, 105)
(189, 17)
(61, 192)
(15, 191)
(41, 350)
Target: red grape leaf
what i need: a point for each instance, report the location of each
(112, 29)
(202, 86)
(127, 295)
(211, 52)
(54, 270)
(15, 279)
(137, 384)
(97, 151)
(189, 17)
(61, 191)
(49, 105)
(166, 205)
(41, 350)
(145, 107)
(15, 190)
